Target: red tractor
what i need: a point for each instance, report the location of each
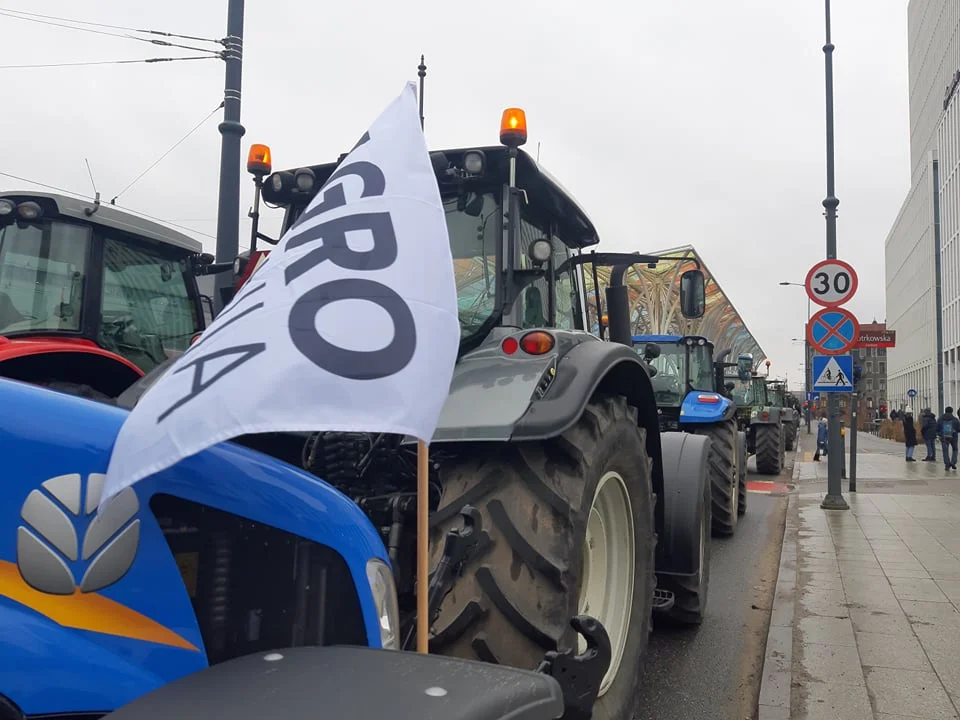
(91, 297)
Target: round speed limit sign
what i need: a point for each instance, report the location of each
(831, 283)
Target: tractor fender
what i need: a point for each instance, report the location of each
(706, 408)
(71, 360)
(518, 397)
(684, 480)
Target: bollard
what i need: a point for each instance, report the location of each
(853, 454)
(843, 456)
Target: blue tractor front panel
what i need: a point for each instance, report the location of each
(699, 408)
(227, 553)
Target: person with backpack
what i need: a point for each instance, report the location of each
(928, 430)
(948, 430)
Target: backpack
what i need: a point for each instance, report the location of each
(948, 430)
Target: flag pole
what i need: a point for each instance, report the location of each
(423, 498)
(423, 546)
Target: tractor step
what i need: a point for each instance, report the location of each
(663, 600)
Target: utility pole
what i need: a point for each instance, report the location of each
(834, 498)
(228, 209)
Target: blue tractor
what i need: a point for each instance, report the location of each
(214, 570)
(692, 396)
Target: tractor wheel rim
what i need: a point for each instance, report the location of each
(609, 560)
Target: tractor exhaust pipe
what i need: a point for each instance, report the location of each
(618, 307)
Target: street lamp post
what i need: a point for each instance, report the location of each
(834, 497)
(807, 380)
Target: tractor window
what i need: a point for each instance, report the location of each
(43, 270)
(668, 383)
(701, 368)
(472, 225)
(536, 302)
(147, 314)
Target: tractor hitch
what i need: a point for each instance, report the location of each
(580, 675)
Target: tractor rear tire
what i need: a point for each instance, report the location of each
(690, 592)
(742, 481)
(769, 449)
(514, 599)
(724, 476)
(789, 436)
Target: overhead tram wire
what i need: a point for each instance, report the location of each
(113, 27)
(126, 36)
(170, 150)
(81, 195)
(109, 62)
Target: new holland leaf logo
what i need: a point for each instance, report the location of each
(50, 554)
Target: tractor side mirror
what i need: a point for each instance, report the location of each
(651, 351)
(693, 300)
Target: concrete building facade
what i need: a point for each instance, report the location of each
(916, 260)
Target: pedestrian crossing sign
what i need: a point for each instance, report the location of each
(833, 373)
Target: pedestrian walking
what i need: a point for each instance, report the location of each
(948, 429)
(909, 434)
(928, 430)
(821, 439)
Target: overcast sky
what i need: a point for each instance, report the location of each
(673, 122)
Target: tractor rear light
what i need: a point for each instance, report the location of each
(765, 415)
(537, 342)
(708, 398)
(510, 346)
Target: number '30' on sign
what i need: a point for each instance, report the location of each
(831, 283)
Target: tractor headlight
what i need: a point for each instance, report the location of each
(384, 591)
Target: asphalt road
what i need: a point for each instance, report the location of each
(713, 672)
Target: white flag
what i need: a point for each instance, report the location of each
(350, 324)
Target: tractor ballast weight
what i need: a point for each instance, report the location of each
(533, 439)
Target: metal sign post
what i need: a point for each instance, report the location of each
(834, 497)
(852, 487)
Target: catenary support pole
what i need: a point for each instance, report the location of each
(834, 498)
(228, 209)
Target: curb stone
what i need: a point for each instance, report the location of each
(774, 703)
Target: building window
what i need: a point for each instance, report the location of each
(883, 368)
(863, 353)
(869, 383)
(881, 385)
(869, 366)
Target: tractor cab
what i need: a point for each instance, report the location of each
(91, 296)
(685, 383)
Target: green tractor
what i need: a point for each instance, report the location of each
(779, 396)
(758, 417)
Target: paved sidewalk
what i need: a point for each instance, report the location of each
(866, 616)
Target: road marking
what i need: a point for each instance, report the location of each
(767, 487)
